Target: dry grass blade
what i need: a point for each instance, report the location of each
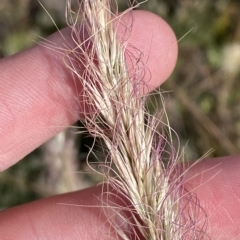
(141, 163)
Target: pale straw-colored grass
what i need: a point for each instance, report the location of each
(141, 163)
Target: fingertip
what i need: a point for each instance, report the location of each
(158, 44)
(40, 96)
(216, 184)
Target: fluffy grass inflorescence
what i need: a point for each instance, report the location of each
(141, 163)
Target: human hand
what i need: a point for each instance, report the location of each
(38, 99)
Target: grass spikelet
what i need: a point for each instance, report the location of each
(141, 163)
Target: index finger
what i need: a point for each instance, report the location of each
(38, 97)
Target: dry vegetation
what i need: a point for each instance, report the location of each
(202, 100)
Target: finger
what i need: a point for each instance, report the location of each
(38, 97)
(76, 215)
(216, 183)
(62, 217)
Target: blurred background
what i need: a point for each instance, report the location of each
(202, 102)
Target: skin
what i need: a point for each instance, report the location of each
(38, 99)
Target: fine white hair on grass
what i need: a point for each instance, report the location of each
(141, 164)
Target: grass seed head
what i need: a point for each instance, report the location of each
(141, 163)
